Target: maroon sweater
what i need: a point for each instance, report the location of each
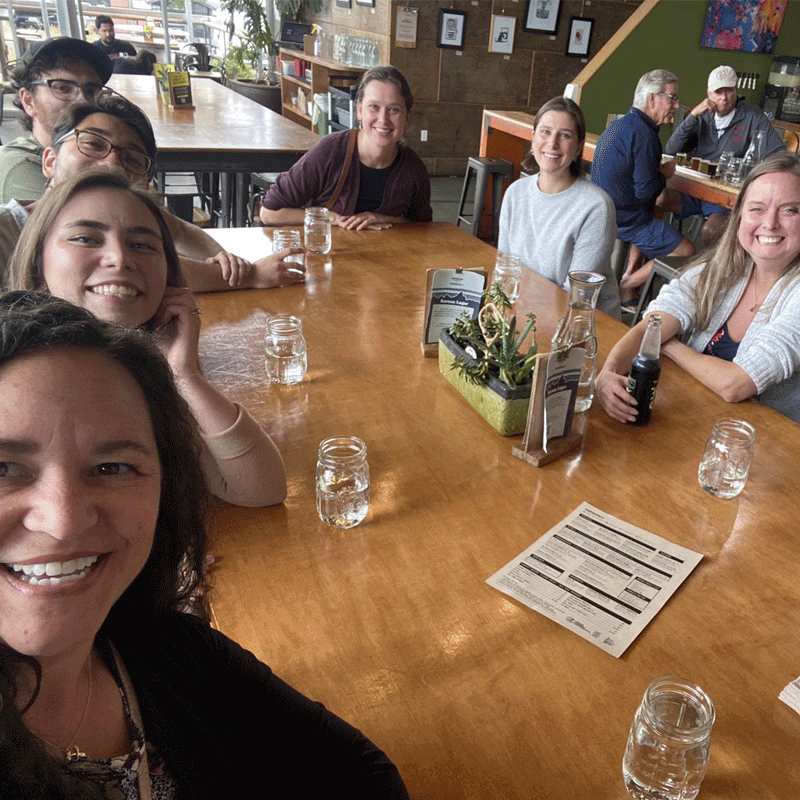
(312, 180)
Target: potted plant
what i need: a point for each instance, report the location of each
(244, 62)
(483, 360)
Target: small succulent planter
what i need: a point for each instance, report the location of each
(504, 408)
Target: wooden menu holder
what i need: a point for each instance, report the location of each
(530, 448)
(431, 350)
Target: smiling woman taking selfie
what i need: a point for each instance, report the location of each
(97, 242)
(739, 309)
(557, 221)
(368, 179)
(108, 689)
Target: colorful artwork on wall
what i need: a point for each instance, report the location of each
(748, 25)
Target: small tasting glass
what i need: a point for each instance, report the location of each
(727, 458)
(508, 273)
(342, 481)
(282, 238)
(285, 350)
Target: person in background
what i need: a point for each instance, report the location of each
(369, 180)
(556, 221)
(627, 164)
(116, 132)
(108, 686)
(50, 77)
(108, 41)
(722, 122)
(740, 308)
(97, 242)
(141, 64)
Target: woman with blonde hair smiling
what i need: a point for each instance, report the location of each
(739, 308)
(103, 245)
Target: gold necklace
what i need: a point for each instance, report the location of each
(72, 752)
(756, 305)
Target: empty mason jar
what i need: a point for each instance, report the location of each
(726, 460)
(342, 481)
(669, 742)
(317, 230)
(508, 273)
(285, 358)
(285, 237)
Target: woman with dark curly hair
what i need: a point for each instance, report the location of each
(103, 245)
(108, 688)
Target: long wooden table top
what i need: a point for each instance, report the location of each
(392, 625)
(221, 121)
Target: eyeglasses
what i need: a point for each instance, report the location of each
(673, 98)
(69, 90)
(96, 146)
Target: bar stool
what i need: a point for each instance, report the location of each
(665, 268)
(482, 168)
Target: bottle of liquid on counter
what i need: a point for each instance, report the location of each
(754, 153)
(646, 370)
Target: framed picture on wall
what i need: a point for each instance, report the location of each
(751, 26)
(451, 29)
(343, 3)
(580, 36)
(366, 3)
(501, 34)
(541, 16)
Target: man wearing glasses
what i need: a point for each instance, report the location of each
(51, 76)
(627, 164)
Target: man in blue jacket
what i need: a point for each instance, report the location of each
(627, 165)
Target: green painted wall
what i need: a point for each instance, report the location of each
(668, 38)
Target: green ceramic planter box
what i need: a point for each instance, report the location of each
(505, 409)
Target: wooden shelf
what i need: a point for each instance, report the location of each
(320, 75)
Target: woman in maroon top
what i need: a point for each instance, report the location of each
(385, 182)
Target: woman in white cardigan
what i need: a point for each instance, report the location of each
(740, 309)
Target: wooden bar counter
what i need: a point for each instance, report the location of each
(392, 625)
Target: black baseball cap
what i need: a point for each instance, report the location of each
(75, 49)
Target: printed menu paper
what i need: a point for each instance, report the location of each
(453, 292)
(791, 695)
(597, 575)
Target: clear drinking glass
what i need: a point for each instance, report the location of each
(735, 171)
(285, 351)
(669, 742)
(508, 272)
(283, 238)
(578, 326)
(726, 460)
(317, 230)
(342, 481)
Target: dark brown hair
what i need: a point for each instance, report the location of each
(566, 106)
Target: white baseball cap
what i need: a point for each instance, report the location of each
(722, 77)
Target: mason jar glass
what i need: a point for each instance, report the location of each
(508, 273)
(317, 230)
(283, 238)
(669, 742)
(727, 458)
(285, 350)
(342, 481)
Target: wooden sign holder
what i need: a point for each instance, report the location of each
(530, 448)
(432, 350)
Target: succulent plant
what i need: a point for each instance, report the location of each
(492, 343)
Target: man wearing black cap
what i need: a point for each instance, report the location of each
(51, 76)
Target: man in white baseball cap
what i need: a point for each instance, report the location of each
(721, 122)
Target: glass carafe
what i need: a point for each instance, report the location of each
(578, 326)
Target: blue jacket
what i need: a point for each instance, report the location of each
(625, 164)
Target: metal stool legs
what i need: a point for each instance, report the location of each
(499, 168)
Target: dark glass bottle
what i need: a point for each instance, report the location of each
(646, 370)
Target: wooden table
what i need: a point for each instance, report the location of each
(391, 624)
(225, 132)
(507, 134)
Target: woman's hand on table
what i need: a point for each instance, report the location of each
(273, 270)
(611, 391)
(366, 221)
(177, 323)
(235, 270)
